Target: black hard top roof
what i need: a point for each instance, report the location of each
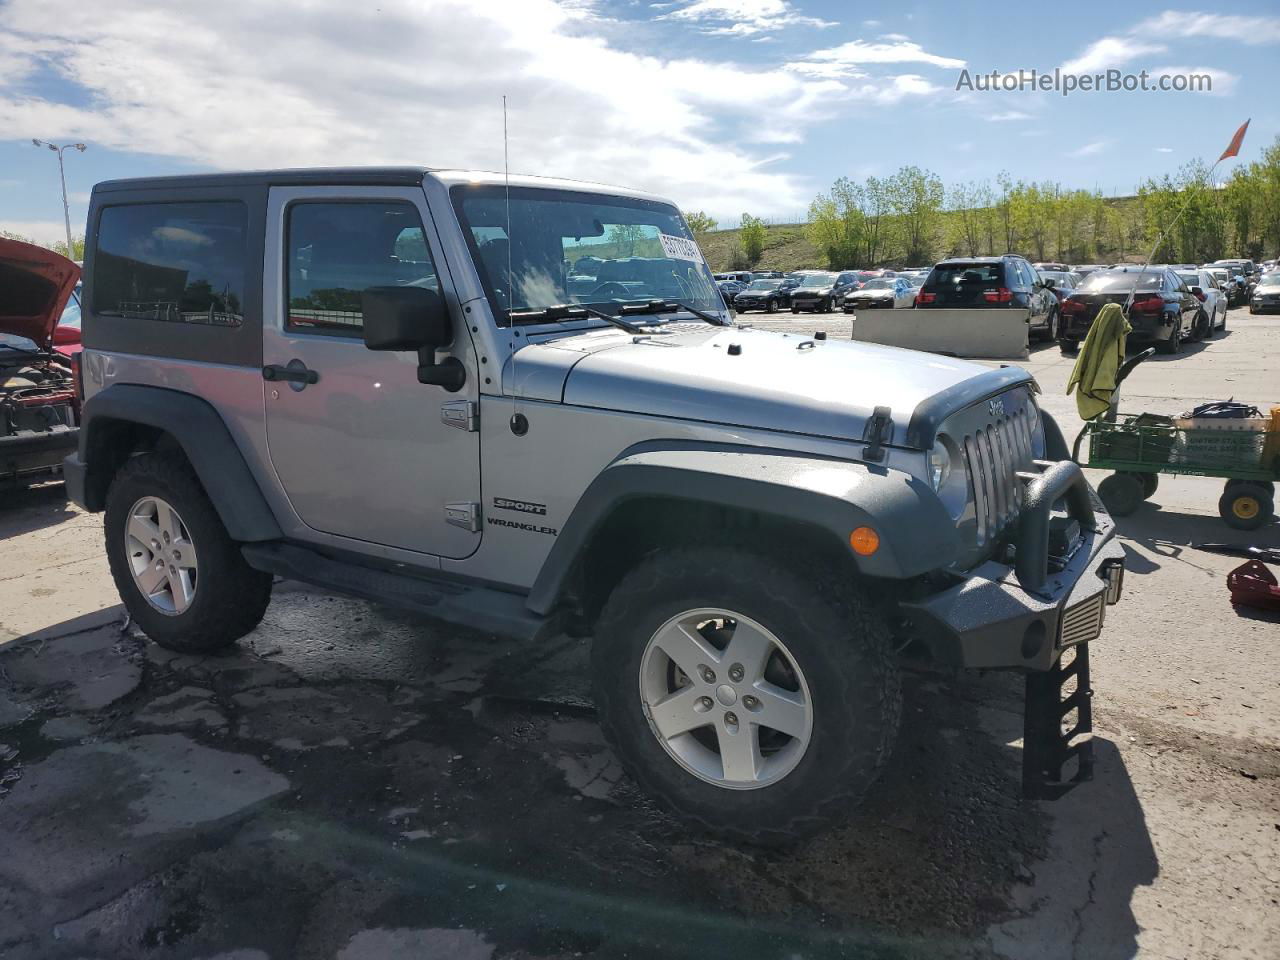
(355, 176)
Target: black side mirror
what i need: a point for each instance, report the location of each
(1049, 284)
(412, 318)
(1197, 290)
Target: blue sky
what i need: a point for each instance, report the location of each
(724, 105)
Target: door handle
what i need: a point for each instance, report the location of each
(294, 373)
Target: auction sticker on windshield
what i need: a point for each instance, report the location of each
(680, 248)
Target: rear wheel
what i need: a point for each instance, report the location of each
(1068, 347)
(1173, 343)
(752, 697)
(181, 577)
(1121, 493)
(1051, 326)
(1246, 506)
(795, 309)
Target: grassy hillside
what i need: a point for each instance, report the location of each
(788, 248)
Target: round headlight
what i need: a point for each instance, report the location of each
(939, 465)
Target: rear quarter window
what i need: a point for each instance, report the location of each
(174, 262)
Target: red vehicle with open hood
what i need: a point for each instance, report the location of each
(39, 406)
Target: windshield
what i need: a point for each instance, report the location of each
(765, 285)
(1192, 279)
(816, 279)
(1116, 281)
(1270, 280)
(878, 284)
(569, 247)
(71, 312)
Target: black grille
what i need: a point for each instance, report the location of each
(994, 455)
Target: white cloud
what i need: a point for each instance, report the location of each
(844, 60)
(1009, 115)
(897, 51)
(1251, 30)
(1164, 149)
(243, 85)
(41, 231)
(1089, 149)
(1109, 52)
(744, 18)
(1114, 51)
(1221, 82)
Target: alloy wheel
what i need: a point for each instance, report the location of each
(726, 699)
(162, 557)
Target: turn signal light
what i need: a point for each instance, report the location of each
(864, 541)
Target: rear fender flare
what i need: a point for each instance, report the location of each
(202, 434)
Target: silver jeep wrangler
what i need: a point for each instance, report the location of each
(520, 405)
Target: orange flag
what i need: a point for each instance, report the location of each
(1233, 148)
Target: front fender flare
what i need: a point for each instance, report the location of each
(834, 496)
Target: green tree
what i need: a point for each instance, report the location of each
(700, 223)
(836, 224)
(915, 199)
(752, 236)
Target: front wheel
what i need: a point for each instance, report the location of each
(1068, 347)
(753, 698)
(1051, 326)
(181, 577)
(771, 306)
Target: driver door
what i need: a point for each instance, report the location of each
(363, 451)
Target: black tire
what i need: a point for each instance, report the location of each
(1150, 484)
(837, 638)
(230, 597)
(771, 306)
(1246, 506)
(1265, 484)
(1051, 325)
(1121, 493)
(1202, 328)
(1173, 343)
(1252, 310)
(795, 309)
(1069, 347)
(827, 305)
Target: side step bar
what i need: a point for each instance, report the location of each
(1046, 746)
(461, 604)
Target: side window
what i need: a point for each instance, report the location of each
(1017, 276)
(336, 250)
(177, 262)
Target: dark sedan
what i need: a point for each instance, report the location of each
(822, 291)
(763, 295)
(1163, 310)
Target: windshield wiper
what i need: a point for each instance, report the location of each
(571, 311)
(673, 306)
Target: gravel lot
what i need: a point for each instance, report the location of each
(352, 783)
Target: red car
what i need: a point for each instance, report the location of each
(39, 406)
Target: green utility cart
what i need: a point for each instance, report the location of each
(1140, 447)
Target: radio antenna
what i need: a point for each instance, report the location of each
(519, 424)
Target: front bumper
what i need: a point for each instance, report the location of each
(1023, 616)
(34, 455)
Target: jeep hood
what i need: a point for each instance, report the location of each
(770, 381)
(35, 285)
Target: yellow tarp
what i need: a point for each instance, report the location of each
(1099, 360)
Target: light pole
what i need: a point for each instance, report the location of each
(66, 210)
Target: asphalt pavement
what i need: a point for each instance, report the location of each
(352, 782)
